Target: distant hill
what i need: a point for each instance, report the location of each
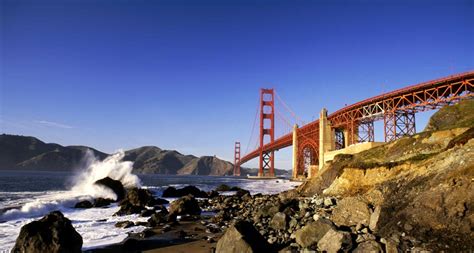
(29, 153)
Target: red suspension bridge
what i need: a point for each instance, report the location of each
(350, 125)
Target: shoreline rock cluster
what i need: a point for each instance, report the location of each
(283, 222)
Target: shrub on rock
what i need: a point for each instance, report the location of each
(53, 233)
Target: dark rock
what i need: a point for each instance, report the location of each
(213, 194)
(147, 233)
(147, 213)
(136, 200)
(127, 209)
(160, 208)
(115, 185)
(172, 192)
(157, 218)
(101, 202)
(83, 204)
(185, 205)
(223, 188)
(124, 224)
(242, 237)
(143, 197)
(52, 233)
(242, 192)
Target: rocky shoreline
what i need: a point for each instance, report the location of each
(242, 222)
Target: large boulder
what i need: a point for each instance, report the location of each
(172, 192)
(53, 233)
(137, 200)
(335, 241)
(185, 205)
(115, 185)
(223, 188)
(368, 246)
(83, 204)
(351, 211)
(242, 237)
(279, 221)
(101, 202)
(313, 232)
(143, 197)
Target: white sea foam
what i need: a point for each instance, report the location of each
(89, 223)
(96, 225)
(112, 167)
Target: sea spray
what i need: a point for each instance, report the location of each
(84, 187)
(113, 167)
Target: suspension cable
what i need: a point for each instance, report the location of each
(253, 127)
(288, 108)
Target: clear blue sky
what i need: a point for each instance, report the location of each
(185, 75)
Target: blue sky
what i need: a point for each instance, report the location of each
(185, 75)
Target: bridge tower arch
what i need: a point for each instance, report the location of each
(308, 158)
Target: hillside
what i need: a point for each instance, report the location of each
(421, 187)
(30, 153)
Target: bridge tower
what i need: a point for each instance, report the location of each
(267, 128)
(237, 159)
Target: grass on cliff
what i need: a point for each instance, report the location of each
(454, 116)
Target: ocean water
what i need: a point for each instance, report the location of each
(26, 196)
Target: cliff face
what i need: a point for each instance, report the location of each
(422, 184)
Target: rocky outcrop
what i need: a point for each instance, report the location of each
(115, 185)
(413, 192)
(242, 237)
(172, 192)
(137, 200)
(53, 233)
(184, 205)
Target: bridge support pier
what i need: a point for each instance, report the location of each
(365, 132)
(326, 136)
(295, 152)
(398, 124)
